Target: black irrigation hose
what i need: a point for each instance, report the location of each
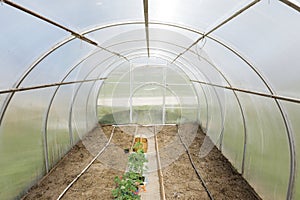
(193, 165)
(87, 167)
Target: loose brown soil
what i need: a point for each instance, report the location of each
(97, 182)
(180, 179)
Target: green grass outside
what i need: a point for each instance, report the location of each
(145, 115)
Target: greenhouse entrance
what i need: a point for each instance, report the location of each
(147, 94)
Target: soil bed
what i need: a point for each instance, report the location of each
(96, 183)
(180, 179)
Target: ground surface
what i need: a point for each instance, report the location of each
(180, 179)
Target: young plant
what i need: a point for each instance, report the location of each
(138, 146)
(128, 186)
(136, 161)
(126, 189)
(136, 177)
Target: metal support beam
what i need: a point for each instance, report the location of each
(73, 33)
(19, 7)
(293, 100)
(13, 90)
(146, 16)
(293, 5)
(216, 27)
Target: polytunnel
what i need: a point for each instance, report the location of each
(230, 68)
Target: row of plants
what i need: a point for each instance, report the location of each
(128, 185)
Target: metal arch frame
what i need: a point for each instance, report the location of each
(60, 26)
(291, 180)
(239, 103)
(112, 69)
(241, 110)
(91, 88)
(159, 84)
(183, 69)
(50, 104)
(197, 69)
(75, 95)
(46, 117)
(221, 109)
(219, 102)
(158, 57)
(26, 73)
(283, 98)
(242, 114)
(177, 66)
(289, 130)
(134, 23)
(164, 81)
(164, 24)
(94, 84)
(282, 111)
(194, 88)
(215, 91)
(75, 35)
(52, 99)
(217, 27)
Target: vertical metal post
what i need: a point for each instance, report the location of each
(130, 91)
(45, 142)
(164, 95)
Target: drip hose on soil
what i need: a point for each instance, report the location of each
(193, 165)
(87, 167)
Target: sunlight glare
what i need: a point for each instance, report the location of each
(166, 9)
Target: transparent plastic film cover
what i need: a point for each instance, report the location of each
(267, 158)
(23, 40)
(269, 41)
(22, 142)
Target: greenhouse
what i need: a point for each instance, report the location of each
(160, 99)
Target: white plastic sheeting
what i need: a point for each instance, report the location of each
(239, 59)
